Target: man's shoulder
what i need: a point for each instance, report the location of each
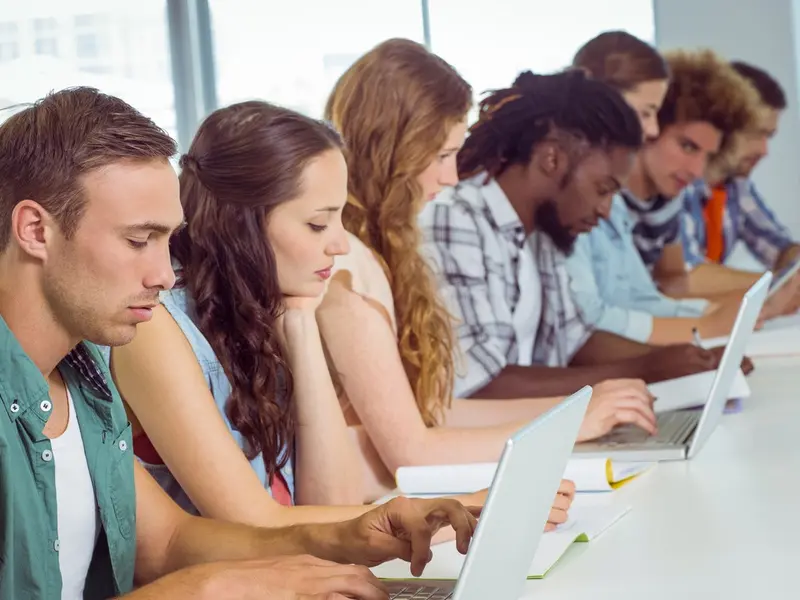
(457, 208)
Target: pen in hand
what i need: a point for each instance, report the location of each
(698, 341)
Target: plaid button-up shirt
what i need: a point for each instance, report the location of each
(747, 218)
(509, 293)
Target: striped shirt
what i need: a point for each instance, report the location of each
(746, 218)
(657, 224)
(509, 293)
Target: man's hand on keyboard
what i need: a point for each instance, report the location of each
(560, 510)
(403, 528)
(618, 402)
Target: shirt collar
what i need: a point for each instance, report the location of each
(502, 213)
(22, 382)
(618, 222)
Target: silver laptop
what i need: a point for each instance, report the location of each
(682, 433)
(516, 510)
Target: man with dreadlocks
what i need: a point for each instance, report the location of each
(540, 166)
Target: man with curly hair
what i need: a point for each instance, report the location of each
(706, 104)
(726, 207)
(609, 280)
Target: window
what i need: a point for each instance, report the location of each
(46, 32)
(46, 46)
(489, 48)
(9, 41)
(292, 53)
(87, 46)
(88, 43)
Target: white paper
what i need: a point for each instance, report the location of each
(692, 390)
(588, 474)
(588, 521)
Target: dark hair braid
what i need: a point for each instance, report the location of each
(513, 121)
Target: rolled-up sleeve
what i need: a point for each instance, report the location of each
(453, 246)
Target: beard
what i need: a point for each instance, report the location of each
(548, 222)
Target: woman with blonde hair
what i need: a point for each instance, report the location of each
(403, 114)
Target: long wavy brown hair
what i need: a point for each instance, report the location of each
(394, 107)
(245, 160)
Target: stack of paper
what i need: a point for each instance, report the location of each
(585, 524)
(692, 391)
(589, 475)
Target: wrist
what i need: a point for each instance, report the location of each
(299, 324)
(327, 541)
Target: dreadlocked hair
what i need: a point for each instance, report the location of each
(513, 121)
(395, 106)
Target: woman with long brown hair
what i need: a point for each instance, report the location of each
(403, 113)
(231, 368)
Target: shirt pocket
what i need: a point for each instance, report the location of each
(121, 485)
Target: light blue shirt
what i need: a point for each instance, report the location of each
(611, 284)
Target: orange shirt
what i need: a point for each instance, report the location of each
(714, 215)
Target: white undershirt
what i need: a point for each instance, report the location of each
(78, 518)
(528, 312)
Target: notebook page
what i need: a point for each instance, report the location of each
(692, 390)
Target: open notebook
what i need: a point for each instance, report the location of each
(778, 337)
(589, 475)
(692, 391)
(585, 524)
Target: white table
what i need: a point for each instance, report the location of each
(721, 526)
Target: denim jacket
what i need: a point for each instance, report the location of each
(611, 284)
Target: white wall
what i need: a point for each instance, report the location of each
(767, 34)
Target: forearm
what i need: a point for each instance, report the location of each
(198, 541)
(673, 330)
(538, 381)
(709, 280)
(325, 461)
(604, 347)
(194, 583)
(440, 446)
(481, 412)
(787, 257)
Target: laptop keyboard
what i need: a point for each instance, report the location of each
(420, 593)
(673, 428)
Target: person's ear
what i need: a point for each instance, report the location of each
(32, 228)
(550, 160)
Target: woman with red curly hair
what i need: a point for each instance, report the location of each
(390, 339)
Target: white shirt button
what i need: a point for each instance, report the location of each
(123, 445)
(45, 406)
(56, 545)
(14, 407)
(47, 456)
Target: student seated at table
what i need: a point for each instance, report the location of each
(88, 200)
(231, 367)
(540, 166)
(389, 336)
(725, 208)
(696, 122)
(609, 281)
